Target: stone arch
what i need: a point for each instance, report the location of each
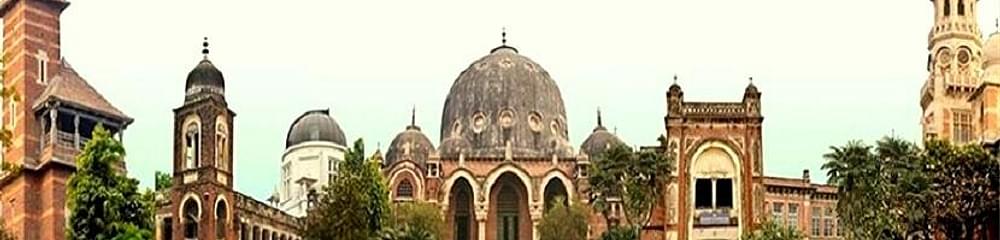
(190, 215)
(561, 177)
(513, 169)
(455, 176)
(222, 215)
(406, 174)
(718, 148)
(461, 216)
(510, 211)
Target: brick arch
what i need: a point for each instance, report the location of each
(557, 174)
(520, 173)
(408, 174)
(450, 182)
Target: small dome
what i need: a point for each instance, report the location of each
(205, 77)
(599, 140)
(991, 50)
(504, 97)
(315, 125)
(410, 144)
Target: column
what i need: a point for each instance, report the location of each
(55, 125)
(76, 131)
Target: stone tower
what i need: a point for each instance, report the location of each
(954, 64)
(202, 197)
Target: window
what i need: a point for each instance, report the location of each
(221, 217)
(724, 193)
(703, 193)
(962, 122)
(961, 7)
(777, 213)
(828, 222)
(793, 215)
(43, 65)
(947, 8)
(192, 213)
(404, 190)
(815, 221)
(221, 146)
(192, 147)
(167, 230)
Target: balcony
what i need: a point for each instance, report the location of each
(715, 218)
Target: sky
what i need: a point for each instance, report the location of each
(830, 71)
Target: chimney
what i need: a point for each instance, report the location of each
(805, 175)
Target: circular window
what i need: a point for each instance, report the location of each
(535, 121)
(506, 118)
(944, 56)
(478, 122)
(963, 56)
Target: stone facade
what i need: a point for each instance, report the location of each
(201, 203)
(51, 118)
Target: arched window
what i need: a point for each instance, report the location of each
(404, 191)
(961, 7)
(192, 214)
(192, 146)
(221, 146)
(221, 217)
(947, 8)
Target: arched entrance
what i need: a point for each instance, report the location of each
(555, 189)
(509, 218)
(461, 216)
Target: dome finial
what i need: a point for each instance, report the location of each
(751, 79)
(503, 36)
(675, 78)
(204, 45)
(413, 116)
(599, 123)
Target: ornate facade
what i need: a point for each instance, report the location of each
(201, 203)
(959, 98)
(314, 146)
(51, 117)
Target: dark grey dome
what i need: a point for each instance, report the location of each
(500, 98)
(411, 144)
(315, 125)
(205, 77)
(599, 140)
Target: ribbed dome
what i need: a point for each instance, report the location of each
(315, 125)
(205, 77)
(991, 50)
(410, 144)
(500, 98)
(599, 140)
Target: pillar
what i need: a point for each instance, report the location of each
(76, 131)
(55, 125)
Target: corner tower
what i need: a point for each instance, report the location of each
(954, 65)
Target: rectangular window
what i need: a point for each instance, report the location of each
(43, 71)
(724, 193)
(828, 227)
(814, 227)
(703, 193)
(777, 213)
(961, 126)
(793, 215)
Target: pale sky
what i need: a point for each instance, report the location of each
(830, 71)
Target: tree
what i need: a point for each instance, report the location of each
(638, 178)
(6, 169)
(163, 180)
(417, 220)
(355, 205)
(772, 231)
(103, 203)
(562, 222)
(862, 192)
(621, 233)
(966, 181)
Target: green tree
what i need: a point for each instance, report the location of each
(417, 220)
(6, 169)
(103, 203)
(862, 190)
(966, 180)
(769, 230)
(638, 178)
(621, 233)
(562, 222)
(163, 180)
(355, 205)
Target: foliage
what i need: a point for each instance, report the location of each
(562, 222)
(103, 203)
(621, 233)
(638, 178)
(417, 220)
(163, 181)
(772, 231)
(355, 205)
(6, 168)
(895, 189)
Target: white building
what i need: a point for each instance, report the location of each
(313, 148)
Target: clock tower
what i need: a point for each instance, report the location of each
(954, 66)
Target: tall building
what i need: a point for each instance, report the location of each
(201, 203)
(315, 145)
(959, 97)
(50, 118)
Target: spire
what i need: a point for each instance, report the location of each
(204, 50)
(503, 36)
(413, 116)
(751, 80)
(675, 79)
(599, 123)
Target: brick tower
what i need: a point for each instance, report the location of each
(954, 64)
(50, 119)
(202, 200)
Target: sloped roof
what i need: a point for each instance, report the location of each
(68, 87)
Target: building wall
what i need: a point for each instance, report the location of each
(811, 202)
(315, 160)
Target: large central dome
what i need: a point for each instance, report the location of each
(504, 99)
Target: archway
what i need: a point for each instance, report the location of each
(461, 216)
(509, 218)
(553, 190)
